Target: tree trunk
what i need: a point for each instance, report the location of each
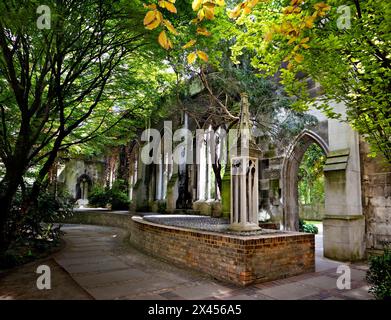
(8, 189)
(217, 172)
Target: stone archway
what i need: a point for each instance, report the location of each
(290, 175)
(83, 186)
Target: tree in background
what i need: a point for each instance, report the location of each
(311, 179)
(342, 45)
(63, 86)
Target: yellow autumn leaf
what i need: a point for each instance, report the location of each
(233, 14)
(247, 10)
(202, 55)
(304, 40)
(164, 41)
(309, 21)
(201, 14)
(288, 10)
(170, 27)
(290, 65)
(305, 46)
(276, 28)
(295, 2)
(189, 44)
(191, 58)
(208, 4)
(150, 6)
(203, 31)
(159, 16)
(153, 25)
(298, 58)
(170, 7)
(291, 40)
(149, 17)
(196, 4)
(209, 12)
(286, 27)
(322, 6)
(268, 36)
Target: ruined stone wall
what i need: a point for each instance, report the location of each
(70, 170)
(376, 194)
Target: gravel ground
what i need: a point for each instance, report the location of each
(204, 223)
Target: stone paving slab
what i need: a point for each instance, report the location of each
(359, 293)
(290, 291)
(94, 267)
(122, 290)
(107, 278)
(83, 260)
(322, 282)
(203, 291)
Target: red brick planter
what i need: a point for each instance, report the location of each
(237, 259)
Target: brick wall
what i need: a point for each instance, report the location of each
(234, 259)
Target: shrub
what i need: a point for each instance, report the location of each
(379, 274)
(98, 197)
(37, 223)
(119, 195)
(118, 199)
(162, 207)
(34, 233)
(307, 227)
(116, 196)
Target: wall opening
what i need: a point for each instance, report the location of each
(290, 175)
(311, 189)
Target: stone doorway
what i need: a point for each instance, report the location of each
(83, 187)
(290, 171)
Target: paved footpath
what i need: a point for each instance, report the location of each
(99, 262)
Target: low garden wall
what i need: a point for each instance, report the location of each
(236, 259)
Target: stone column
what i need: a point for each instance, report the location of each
(344, 224)
(244, 177)
(244, 193)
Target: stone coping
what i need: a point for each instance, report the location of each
(344, 217)
(273, 234)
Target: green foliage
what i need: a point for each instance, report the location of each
(117, 196)
(307, 227)
(352, 65)
(88, 83)
(98, 197)
(162, 207)
(34, 234)
(38, 223)
(311, 179)
(379, 275)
